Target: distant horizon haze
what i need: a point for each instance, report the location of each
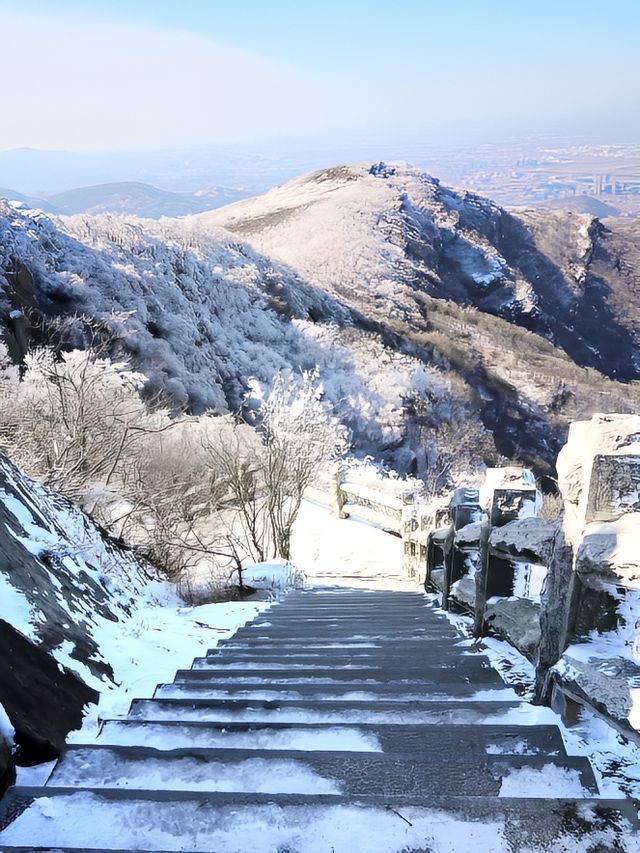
(126, 76)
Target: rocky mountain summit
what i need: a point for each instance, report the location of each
(384, 236)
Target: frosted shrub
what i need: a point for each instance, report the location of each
(74, 420)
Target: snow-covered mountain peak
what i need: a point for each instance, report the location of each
(386, 234)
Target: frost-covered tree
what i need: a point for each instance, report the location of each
(194, 494)
(301, 437)
(72, 420)
(268, 470)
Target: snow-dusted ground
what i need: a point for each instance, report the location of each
(615, 761)
(162, 637)
(346, 552)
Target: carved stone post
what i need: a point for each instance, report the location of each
(556, 614)
(481, 578)
(337, 496)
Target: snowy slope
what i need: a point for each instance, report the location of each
(201, 314)
(80, 617)
(387, 282)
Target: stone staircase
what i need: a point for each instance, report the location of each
(342, 719)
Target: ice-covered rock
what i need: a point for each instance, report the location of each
(599, 476)
(610, 550)
(525, 539)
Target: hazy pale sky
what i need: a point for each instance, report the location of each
(97, 75)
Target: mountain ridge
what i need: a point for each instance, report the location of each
(133, 198)
(529, 267)
(406, 300)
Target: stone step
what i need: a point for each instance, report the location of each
(313, 638)
(399, 651)
(364, 628)
(374, 599)
(347, 593)
(283, 617)
(300, 711)
(333, 614)
(215, 823)
(456, 740)
(448, 669)
(418, 775)
(337, 606)
(222, 665)
(372, 646)
(365, 611)
(330, 678)
(358, 692)
(431, 651)
(393, 670)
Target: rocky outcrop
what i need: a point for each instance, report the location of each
(44, 700)
(64, 590)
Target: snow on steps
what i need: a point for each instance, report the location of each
(396, 758)
(230, 823)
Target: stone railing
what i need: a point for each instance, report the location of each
(345, 499)
(565, 592)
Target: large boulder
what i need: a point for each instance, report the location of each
(599, 476)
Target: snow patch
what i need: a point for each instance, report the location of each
(549, 781)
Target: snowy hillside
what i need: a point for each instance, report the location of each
(202, 314)
(414, 303)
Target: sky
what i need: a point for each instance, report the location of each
(150, 73)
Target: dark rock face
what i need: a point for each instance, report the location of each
(7, 768)
(43, 700)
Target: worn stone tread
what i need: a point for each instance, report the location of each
(365, 691)
(329, 679)
(458, 739)
(358, 773)
(526, 821)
